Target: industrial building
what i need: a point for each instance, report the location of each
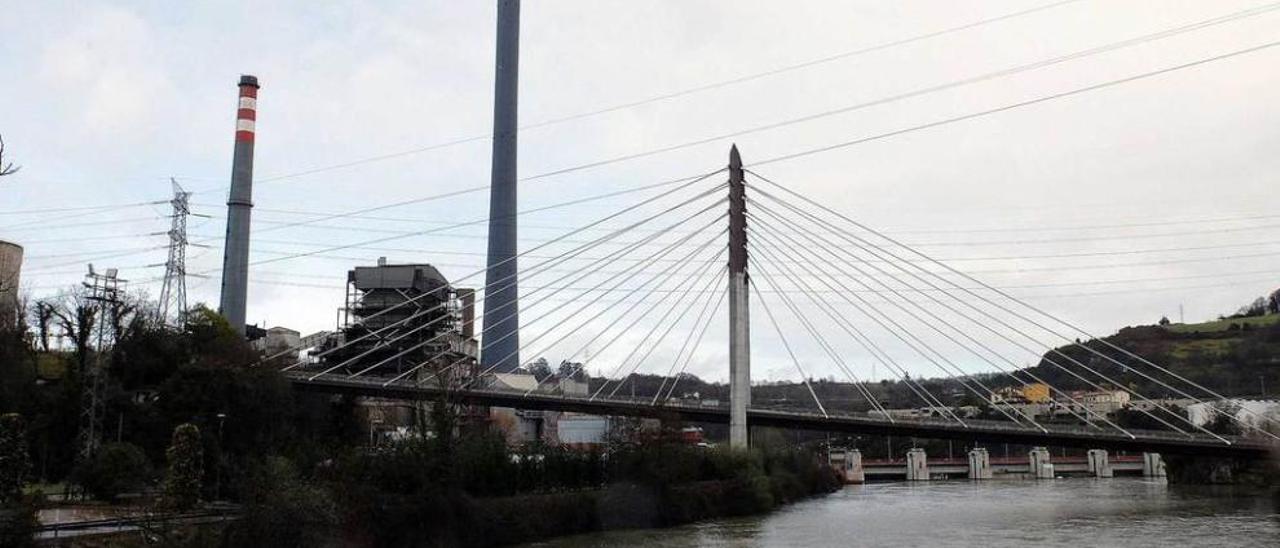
(402, 318)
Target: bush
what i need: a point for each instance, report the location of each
(186, 468)
(117, 468)
(15, 461)
(283, 510)
(18, 523)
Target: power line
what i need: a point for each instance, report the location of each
(675, 94)
(1013, 106)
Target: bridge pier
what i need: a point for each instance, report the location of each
(848, 462)
(979, 464)
(1039, 466)
(1099, 465)
(917, 465)
(1153, 465)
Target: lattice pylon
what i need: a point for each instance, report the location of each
(104, 293)
(173, 294)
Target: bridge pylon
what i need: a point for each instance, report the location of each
(739, 306)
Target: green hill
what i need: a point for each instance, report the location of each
(1231, 356)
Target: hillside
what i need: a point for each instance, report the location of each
(1232, 356)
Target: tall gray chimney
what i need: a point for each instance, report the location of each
(235, 257)
(500, 342)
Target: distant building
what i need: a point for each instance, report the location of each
(277, 339)
(582, 431)
(1098, 402)
(1036, 392)
(1030, 393)
(1251, 413)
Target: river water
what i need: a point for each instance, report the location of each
(1073, 512)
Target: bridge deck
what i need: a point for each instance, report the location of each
(1171, 443)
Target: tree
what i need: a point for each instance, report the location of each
(9, 168)
(44, 323)
(1273, 302)
(186, 468)
(1164, 320)
(539, 369)
(1223, 421)
(15, 460)
(571, 371)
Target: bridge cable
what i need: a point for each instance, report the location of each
(512, 279)
(869, 345)
(693, 332)
(898, 331)
(803, 376)
(665, 277)
(937, 318)
(1033, 339)
(526, 343)
(644, 342)
(681, 296)
(582, 276)
(988, 300)
(715, 309)
(822, 342)
(609, 307)
(565, 235)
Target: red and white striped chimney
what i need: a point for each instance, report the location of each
(248, 112)
(235, 258)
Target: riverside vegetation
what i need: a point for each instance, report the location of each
(189, 422)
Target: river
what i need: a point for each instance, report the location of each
(1073, 512)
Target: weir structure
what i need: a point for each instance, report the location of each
(500, 345)
(235, 257)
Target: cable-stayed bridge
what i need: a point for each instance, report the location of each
(825, 291)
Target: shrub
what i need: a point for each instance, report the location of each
(186, 468)
(15, 461)
(116, 468)
(18, 522)
(282, 509)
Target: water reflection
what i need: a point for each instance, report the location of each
(999, 513)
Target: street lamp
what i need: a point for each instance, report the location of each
(217, 482)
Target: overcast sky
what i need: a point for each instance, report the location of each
(103, 102)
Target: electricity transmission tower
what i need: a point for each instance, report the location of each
(104, 293)
(173, 294)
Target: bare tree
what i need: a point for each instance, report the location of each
(44, 319)
(76, 315)
(9, 168)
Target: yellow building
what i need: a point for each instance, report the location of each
(1036, 393)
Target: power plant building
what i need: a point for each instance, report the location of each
(402, 319)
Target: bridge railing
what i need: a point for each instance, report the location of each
(976, 425)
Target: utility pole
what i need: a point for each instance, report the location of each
(173, 294)
(500, 343)
(104, 292)
(739, 307)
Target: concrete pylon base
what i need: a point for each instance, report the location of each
(917, 465)
(979, 464)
